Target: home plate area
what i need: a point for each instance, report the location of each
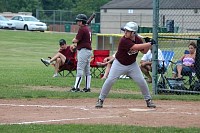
(115, 111)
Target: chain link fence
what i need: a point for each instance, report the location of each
(182, 25)
(64, 21)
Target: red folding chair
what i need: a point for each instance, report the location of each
(98, 56)
(70, 66)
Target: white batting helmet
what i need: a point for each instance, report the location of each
(131, 26)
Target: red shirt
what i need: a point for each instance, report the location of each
(84, 37)
(67, 53)
(123, 48)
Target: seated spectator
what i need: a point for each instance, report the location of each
(186, 62)
(146, 63)
(64, 55)
(108, 63)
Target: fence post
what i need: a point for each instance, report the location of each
(197, 60)
(155, 47)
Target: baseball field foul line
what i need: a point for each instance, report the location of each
(54, 106)
(49, 121)
(42, 106)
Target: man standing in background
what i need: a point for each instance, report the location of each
(82, 42)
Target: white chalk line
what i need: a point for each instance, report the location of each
(142, 110)
(60, 120)
(45, 106)
(61, 106)
(185, 113)
(163, 112)
(54, 106)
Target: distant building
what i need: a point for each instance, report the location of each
(184, 13)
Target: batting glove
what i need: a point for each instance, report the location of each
(152, 41)
(147, 39)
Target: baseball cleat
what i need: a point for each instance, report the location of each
(85, 90)
(150, 104)
(99, 103)
(46, 62)
(74, 89)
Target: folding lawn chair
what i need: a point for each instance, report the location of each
(168, 56)
(69, 66)
(98, 56)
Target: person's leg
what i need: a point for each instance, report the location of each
(83, 56)
(136, 74)
(116, 70)
(58, 55)
(87, 71)
(174, 73)
(179, 70)
(107, 70)
(57, 65)
(145, 70)
(79, 73)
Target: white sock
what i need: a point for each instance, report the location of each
(87, 81)
(78, 82)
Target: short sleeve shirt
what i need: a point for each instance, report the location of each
(84, 37)
(148, 56)
(124, 47)
(67, 53)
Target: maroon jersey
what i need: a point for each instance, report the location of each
(67, 53)
(123, 48)
(84, 37)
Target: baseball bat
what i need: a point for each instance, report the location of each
(91, 18)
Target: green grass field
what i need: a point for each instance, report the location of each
(21, 69)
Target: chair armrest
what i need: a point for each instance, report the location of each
(172, 62)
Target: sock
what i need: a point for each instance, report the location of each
(78, 82)
(87, 81)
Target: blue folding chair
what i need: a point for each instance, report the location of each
(168, 57)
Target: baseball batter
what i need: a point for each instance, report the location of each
(125, 63)
(82, 42)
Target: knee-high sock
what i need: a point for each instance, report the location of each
(78, 82)
(87, 81)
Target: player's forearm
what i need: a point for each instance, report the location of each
(141, 46)
(75, 40)
(145, 50)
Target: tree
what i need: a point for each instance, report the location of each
(76, 6)
(89, 6)
(58, 4)
(19, 5)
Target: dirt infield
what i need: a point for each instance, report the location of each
(115, 111)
